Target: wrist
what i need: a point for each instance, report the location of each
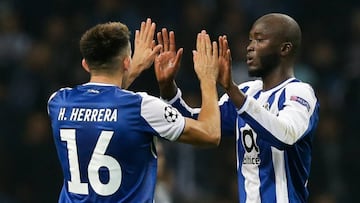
(208, 82)
(231, 87)
(236, 95)
(168, 89)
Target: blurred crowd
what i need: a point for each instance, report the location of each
(39, 53)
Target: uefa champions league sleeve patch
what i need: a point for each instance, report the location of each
(300, 101)
(170, 114)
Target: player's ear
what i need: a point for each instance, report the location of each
(127, 63)
(85, 66)
(286, 48)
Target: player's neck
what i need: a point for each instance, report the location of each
(106, 79)
(276, 77)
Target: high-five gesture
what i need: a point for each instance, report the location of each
(167, 63)
(206, 58)
(206, 65)
(145, 50)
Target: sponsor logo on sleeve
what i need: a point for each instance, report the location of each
(301, 101)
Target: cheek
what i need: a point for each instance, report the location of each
(270, 60)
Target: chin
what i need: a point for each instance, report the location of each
(254, 71)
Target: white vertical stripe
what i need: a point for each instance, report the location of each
(251, 174)
(280, 176)
(252, 182)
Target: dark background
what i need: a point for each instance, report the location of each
(39, 54)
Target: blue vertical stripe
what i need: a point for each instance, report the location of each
(267, 174)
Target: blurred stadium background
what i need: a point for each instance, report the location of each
(39, 53)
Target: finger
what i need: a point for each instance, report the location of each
(178, 57)
(221, 45)
(165, 38)
(202, 48)
(148, 25)
(198, 41)
(214, 49)
(172, 45)
(195, 54)
(150, 34)
(228, 55)
(153, 44)
(226, 44)
(208, 45)
(137, 36)
(156, 50)
(142, 29)
(160, 41)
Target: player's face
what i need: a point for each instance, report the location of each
(263, 54)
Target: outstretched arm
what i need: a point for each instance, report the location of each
(205, 131)
(225, 78)
(145, 51)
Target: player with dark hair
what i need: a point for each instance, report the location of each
(104, 135)
(273, 118)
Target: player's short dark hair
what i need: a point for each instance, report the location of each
(104, 43)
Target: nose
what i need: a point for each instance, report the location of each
(250, 47)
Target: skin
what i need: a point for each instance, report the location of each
(273, 42)
(205, 131)
(206, 65)
(130, 68)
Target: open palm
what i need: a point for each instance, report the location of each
(167, 62)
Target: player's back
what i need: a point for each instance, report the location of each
(104, 145)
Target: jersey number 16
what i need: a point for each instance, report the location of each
(98, 160)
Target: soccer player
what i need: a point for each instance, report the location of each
(104, 134)
(273, 117)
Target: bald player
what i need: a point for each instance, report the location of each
(273, 118)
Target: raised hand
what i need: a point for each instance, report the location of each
(145, 50)
(206, 58)
(167, 63)
(225, 75)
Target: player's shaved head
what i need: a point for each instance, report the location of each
(284, 27)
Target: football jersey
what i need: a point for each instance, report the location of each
(104, 137)
(274, 131)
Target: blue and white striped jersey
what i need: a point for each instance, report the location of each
(274, 131)
(104, 138)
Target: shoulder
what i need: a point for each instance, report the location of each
(300, 88)
(59, 93)
(150, 101)
(301, 93)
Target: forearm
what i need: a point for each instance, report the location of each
(210, 112)
(130, 79)
(205, 131)
(236, 96)
(168, 90)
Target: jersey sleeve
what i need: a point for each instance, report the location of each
(298, 114)
(166, 120)
(54, 98)
(49, 102)
(181, 106)
(228, 116)
(227, 112)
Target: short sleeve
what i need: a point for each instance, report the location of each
(162, 117)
